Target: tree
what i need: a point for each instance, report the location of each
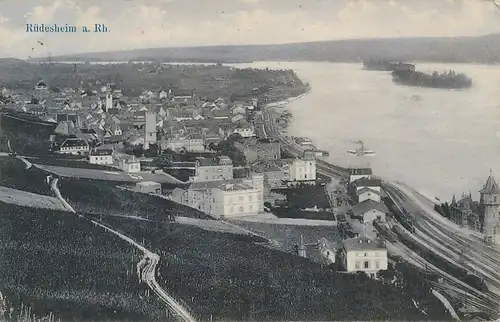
(164, 160)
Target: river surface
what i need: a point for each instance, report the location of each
(440, 142)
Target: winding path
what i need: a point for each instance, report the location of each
(147, 271)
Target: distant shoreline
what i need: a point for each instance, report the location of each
(193, 62)
(288, 100)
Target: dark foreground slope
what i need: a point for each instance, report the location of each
(104, 198)
(483, 49)
(229, 277)
(57, 262)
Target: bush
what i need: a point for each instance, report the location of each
(305, 196)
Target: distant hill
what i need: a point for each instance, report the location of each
(481, 49)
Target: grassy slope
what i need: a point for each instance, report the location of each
(231, 278)
(97, 197)
(14, 175)
(58, 262)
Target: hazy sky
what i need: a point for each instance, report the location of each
(160, 23)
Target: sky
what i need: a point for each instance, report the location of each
(137, 24)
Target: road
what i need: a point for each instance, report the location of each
(147, 272)
(105, 175)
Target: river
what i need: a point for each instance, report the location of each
(440, 142)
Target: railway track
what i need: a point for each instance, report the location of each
(429, 227)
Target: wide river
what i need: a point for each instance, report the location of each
(440, 142)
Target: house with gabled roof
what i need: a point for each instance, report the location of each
(74, 146)
(361, 254)
(368, 193)
(370, 210)
(358, 173)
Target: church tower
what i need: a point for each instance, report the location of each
(109, 101)
(149, 129)
(490, 205)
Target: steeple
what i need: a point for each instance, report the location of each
(453, 200)
(491, 186)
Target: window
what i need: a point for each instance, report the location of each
(241, 209)
(377, 264)
(495, 199)
(305, 176)
(357, 265)
(241, 198)
(366, 254)
(367, 264)
(251, 207)
(377, 254)
(250, 198)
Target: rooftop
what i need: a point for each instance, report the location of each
(74, 142)
(362, 243)
(211, 162)
(367, 189)
(367, 205)
(365, 182)
(102, 152)
(360, 171)
(148, 184)
(490, 186)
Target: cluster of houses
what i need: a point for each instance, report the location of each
(361, 253)
(214, 191)
(365, 191)
(97, 123)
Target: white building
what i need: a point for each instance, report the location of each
(302, 169)
(130, 164)
(358, 173)
(370, 210)
(361, 254)
(244, 129)
(103, 157)
(74, 146)
(191, 143)
(225, 199)
(327, 251)
(368, 193)
(214, 169)
(41, 86)
(109, 101)
(148, 187)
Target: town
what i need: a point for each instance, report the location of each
(230, 159)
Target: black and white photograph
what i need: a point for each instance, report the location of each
(249, 160)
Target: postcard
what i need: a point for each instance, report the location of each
(249, 160)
